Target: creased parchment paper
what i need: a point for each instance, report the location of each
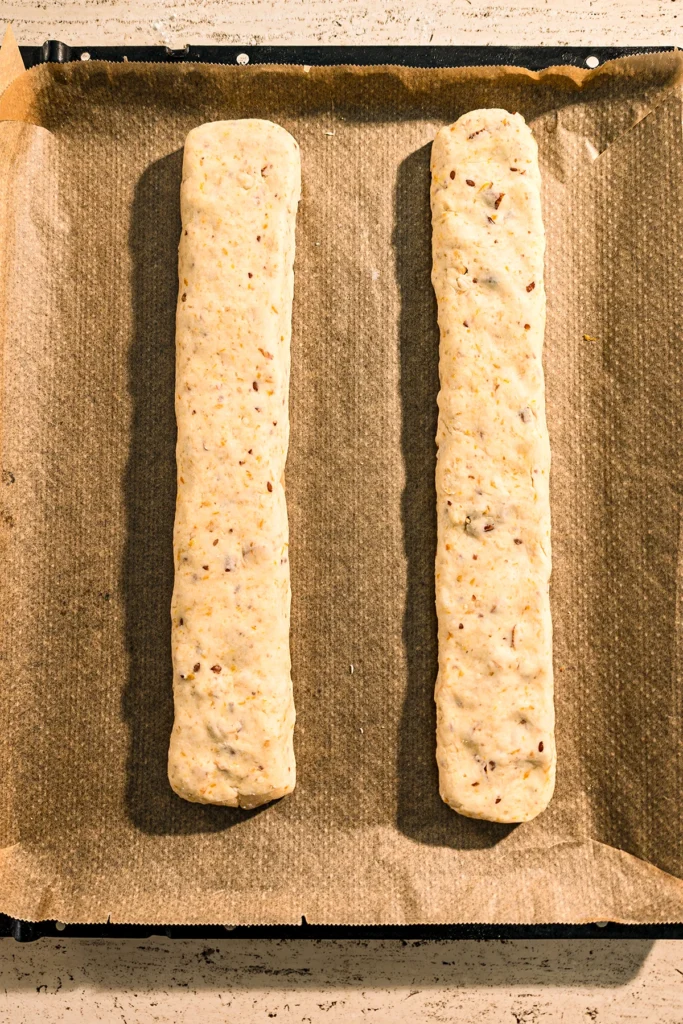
(90, 161)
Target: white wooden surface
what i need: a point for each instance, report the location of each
(332, 982)
(537, 22)
(158, 980)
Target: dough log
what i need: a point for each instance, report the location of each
(494, 692)
(234, 711)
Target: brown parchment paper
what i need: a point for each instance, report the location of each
(90, 160)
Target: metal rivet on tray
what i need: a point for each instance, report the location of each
(242, 58)
(85, 55)
(592, 62)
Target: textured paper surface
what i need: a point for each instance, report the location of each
(90, 161)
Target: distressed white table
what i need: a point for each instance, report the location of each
(534, 22)
(387, 982)
(241, 982)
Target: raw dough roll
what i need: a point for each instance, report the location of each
(234, 710)
(494, 692)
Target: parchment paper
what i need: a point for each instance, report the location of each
(90, 159)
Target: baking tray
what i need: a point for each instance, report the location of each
(533, 58)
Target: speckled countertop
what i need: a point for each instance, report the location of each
(309, 982)
(476, 22)
(387, 982)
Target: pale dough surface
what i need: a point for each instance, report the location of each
(234, 710)
(494, 692)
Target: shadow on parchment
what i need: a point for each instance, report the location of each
(422, 815)
(150, 488)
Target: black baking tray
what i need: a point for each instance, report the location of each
(535, 58)
(27, 931)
